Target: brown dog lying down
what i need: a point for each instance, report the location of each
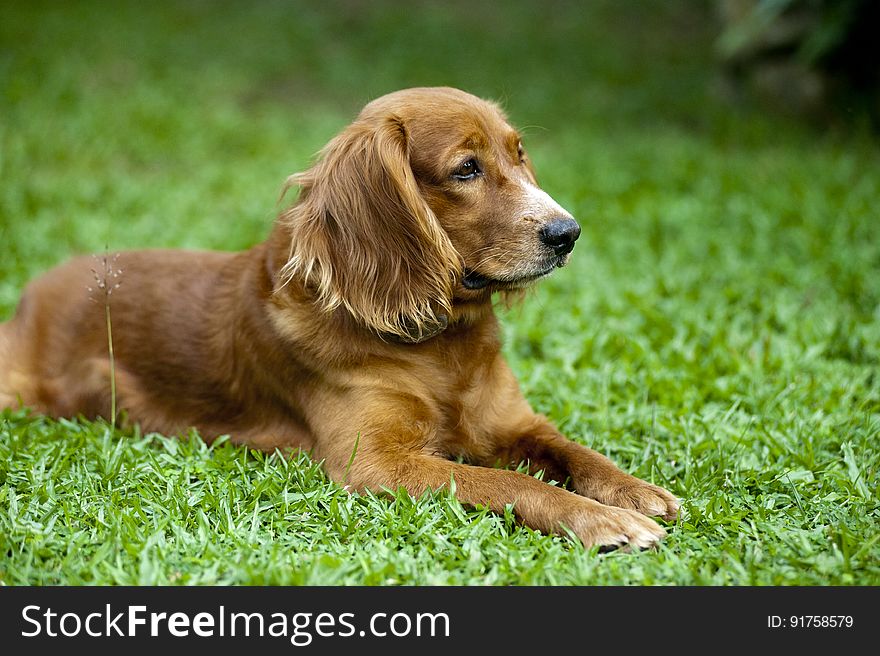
(363, 326)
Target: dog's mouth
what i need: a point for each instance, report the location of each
(475, 281)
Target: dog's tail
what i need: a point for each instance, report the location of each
(5, 364)
(8, 397)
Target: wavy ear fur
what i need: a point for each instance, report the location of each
(364, 238)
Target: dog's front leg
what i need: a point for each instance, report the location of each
(538, 442)
(392, 449)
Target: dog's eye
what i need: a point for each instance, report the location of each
(467, 171)
(521, 153)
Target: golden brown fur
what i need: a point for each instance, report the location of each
(365, 319)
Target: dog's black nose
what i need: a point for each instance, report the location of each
(560, 235)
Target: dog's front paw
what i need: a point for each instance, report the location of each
(614, 528)
(635, 494)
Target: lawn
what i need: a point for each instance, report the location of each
(717, 331)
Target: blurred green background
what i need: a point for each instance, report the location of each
(717, 332)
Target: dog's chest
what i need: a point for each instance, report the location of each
(475, 396)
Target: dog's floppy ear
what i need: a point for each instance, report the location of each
(363, 237)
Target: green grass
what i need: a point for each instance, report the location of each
(717, 332)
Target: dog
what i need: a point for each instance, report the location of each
(362, 331)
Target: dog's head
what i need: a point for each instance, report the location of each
(427, 199)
